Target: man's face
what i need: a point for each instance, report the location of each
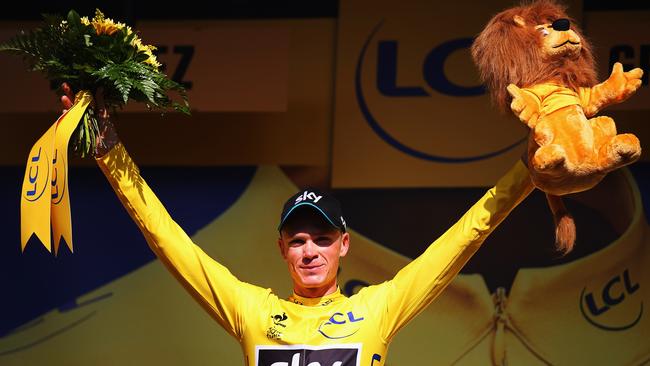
(312, 248)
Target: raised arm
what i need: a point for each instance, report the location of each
(422, 280)
(619, 86)
(211, 284)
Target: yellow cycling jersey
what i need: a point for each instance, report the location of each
(333, 330)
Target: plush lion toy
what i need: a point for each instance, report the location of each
(533, 58)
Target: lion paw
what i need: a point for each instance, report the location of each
(549, 157)
(621, 150)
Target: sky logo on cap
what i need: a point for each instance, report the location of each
(306, 195)
(325, 204)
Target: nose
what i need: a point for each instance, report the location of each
(309, 250)
(561, 24)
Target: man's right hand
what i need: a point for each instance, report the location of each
(107, 133)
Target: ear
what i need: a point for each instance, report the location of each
(345, 244)
(519, 21)
(281, 247)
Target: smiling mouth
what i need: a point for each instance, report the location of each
(311, 267)
(565, 42)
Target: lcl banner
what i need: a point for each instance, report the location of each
(410, 111)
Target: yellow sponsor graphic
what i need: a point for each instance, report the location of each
(45, 197)
(61, 219)
(35, 194)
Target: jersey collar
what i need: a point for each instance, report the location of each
(317, 301)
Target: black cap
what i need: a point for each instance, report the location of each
(325, 204)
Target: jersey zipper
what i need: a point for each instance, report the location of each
(500, 322)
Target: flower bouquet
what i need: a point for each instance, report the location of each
(98, 58)
(94, 55)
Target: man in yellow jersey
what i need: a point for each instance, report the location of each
(317, 325)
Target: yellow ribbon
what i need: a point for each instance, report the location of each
(45, 196)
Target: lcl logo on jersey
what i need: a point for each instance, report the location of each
(613, 307)
(340, 325)
(331, 355)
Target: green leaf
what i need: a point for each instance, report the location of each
(73, 52)
(124, 85)
(73, 18)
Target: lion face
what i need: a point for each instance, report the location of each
(557, 40)
(531, 44)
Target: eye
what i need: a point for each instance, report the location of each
(543, 31)
(323, 241)
(296, 242)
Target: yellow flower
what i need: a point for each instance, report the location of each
(99, 16)
(137, 43)
(152, 61)
(85, 21)
(147, 50)
(105, 25)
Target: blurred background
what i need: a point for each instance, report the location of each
(377, 101)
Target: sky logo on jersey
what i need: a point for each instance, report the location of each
(303, 355)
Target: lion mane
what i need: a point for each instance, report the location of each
(506, 53)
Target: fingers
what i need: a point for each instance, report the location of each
(617, 69)
(67, 98)
(532, 121)
(514, 91)
(633, 85)
(67, 90)
(634, 74)
(526, 114)
(517, 105)
(633, 82)
(67, 103)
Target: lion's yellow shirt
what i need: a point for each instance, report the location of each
(552, 97)
(334, 330)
